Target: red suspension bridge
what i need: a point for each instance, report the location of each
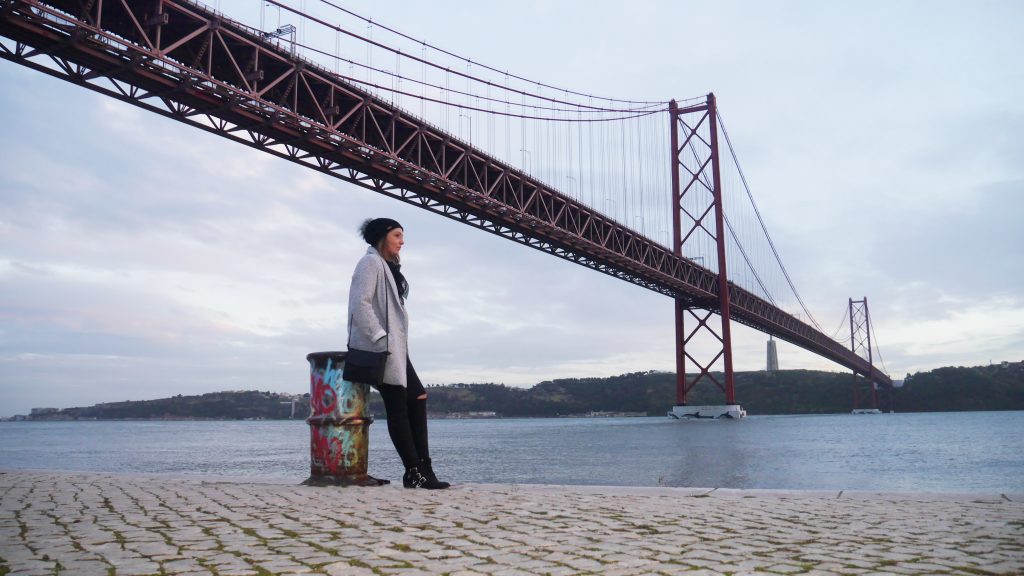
(648, 192)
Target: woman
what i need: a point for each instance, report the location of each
(378, 322)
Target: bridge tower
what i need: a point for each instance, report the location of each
(697, 219)
(860, 344)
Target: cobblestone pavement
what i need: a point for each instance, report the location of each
(82, 524)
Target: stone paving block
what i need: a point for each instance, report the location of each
(399, 556)
(898, 570)
(181, 566)
(855, 561)
(377, 562)
(247, 551)
(284, 567)
(584, 564)
(32, 572)
(62, 550)
(204, 547)
(717, 567)
(13, 551)
(627, 560)
(134, 567)
(315, 559)
(85, 568)
(509, 571)
(705, 556)
(626, 571)
(510, 558)
(346, 569)
(447, 567)
(404, 571)
(33, 567)
(441, 553)
(786, 568)
(345, 549)
(486, 568)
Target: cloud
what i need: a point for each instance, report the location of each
(968, 332)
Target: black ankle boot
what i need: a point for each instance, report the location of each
(414, 479)
(428, 473)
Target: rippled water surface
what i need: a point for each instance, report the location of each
(934, 452)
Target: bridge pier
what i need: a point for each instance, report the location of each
(731, 411)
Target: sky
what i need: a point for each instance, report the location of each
(883, 141)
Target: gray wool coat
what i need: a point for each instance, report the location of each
(370, 327)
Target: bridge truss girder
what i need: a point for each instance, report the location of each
(177, 59)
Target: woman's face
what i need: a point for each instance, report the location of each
(393, 243)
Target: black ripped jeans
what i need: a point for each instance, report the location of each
(407, 418)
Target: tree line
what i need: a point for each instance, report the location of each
(996, 387)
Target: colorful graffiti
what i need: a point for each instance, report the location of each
(334, 450)
(323, 396)
(339, 424)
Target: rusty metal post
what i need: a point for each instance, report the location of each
(339, 425)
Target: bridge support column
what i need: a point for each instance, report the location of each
(694, 138)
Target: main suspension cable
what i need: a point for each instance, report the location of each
(470, 61)
(391, 89)
(370, 42)
(495, 112)
(760, 220)
(874, 339)
(839, 329)
(746, 259)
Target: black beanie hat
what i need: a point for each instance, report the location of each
(374, 229)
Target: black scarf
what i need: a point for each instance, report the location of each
(403, 285)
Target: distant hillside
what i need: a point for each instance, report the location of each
(787, 392)
(241, 405)
(792, 392)
(999, 387)
(784, 392)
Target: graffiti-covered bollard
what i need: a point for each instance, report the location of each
(339, 425)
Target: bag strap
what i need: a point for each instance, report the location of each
(387, 311)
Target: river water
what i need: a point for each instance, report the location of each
(929, 452)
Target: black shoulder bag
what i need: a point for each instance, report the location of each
(363, 365)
